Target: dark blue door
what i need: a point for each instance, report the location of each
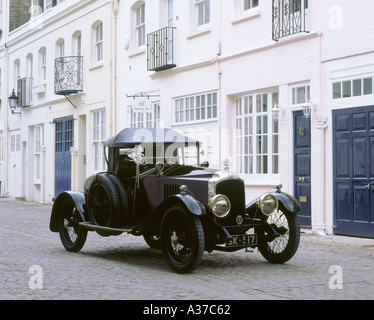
(64, 138)
(354, 171)
(302, 166)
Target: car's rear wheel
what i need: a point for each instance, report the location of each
(103, 203)
(182, 239)
(73, 236)
(282, 248)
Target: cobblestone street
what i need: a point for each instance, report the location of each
(124, 267)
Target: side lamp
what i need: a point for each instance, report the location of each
(276, 111)
(307, 108)
(13, 103)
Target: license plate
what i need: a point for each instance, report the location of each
(242, 240)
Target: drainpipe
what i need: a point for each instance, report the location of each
(113, 71)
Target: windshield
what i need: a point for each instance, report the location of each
(172, 154)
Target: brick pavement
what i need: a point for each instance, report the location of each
(124, 267)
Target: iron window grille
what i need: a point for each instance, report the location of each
(68, 75)
(160, 49)
(288, 17)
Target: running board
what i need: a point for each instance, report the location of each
(95, 227)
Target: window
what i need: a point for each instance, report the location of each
(146, 118)
(257, 138)
(1, 147)
(196, 108)
(289, 17)
(99, 42)
(42, 65)
(140, 25)
(16, 73)
(202, 12)
(37, 7)
(60, 48)
(15, 142)
(51, 3)
(38, 143)
(98, 134)
(352, 88)
(300, 94)
(249, 4)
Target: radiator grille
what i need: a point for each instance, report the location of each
(234, 190)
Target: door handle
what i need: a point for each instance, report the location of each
(301, 179)
(368, 186)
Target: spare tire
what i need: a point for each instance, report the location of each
(103, 202)
(123, 200)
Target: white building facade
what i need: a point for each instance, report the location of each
(284, 89)
(59, 63)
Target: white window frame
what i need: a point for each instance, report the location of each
(38, 144)
(300, 94)
(15, 142)
(16, 73)
(35, 8)
(98, 139)
(1, 147)
(249, 4)
(202, 12)
(99, 42)
(139, 21)
(144, 119)
(257, 138)
(196, 108)
(43, 65)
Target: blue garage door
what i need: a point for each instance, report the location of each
(354, 171)
(64, 138)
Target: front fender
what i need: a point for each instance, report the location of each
(286, 202)
(79, 200)
(151, 223)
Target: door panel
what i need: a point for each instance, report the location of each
(302, 166)
(353, 159)
(64, 135)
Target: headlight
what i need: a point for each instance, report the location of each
(220, 205)
(268, 204)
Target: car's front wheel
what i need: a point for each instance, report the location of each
(283, 247)
(182, 239)
(73, 236)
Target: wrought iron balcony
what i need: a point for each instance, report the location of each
(160, 49)
(288, 17)
(68, 75)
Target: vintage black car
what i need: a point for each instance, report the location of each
(157, 188)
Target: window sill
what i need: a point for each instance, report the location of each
(137, 52)
(261, 180)
(246, 16)
(194, 122)
(96, 66)
(199, 33)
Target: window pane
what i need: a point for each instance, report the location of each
(357, 87)
(336, 90)
(368, 86)
(346, 89)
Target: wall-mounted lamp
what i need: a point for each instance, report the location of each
(13, 102)
(276, 111)
(307, 108)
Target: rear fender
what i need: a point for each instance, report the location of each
(151, 223)
(79, 200)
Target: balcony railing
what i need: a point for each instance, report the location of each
(160, 49)
(68, 75)
(288, 17)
